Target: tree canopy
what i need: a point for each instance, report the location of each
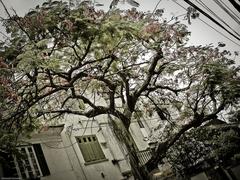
(134, 61)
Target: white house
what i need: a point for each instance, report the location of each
(79, 148)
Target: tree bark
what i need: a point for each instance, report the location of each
(139, 173)
(124, 136)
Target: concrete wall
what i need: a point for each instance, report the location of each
(56, 157)
(58, 162)
(65, 160)
(109, 145)
(78, 126)
(141, 135)
(64, 157)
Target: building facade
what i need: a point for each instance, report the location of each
(78, 148)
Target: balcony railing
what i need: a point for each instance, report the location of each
(144, 156)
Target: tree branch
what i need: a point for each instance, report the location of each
(150, 89)
(162, 148)
(151, 72)
(91, 113)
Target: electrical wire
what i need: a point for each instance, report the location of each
(219, 32)
(215, 15)
(210, 26)
(235, 4)
(228, 10)
(211, 18)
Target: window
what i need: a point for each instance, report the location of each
(33, 163)
(143, 130)
(90, 148)
(140, 124)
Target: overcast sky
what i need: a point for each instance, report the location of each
(201, 33)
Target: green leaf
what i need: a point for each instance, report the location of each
(43, 43)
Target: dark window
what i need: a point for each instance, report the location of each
(140, 124)
(33, 163)
(41, 159)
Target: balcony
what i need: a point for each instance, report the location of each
(144, 156)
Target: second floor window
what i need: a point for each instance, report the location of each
(90, 148)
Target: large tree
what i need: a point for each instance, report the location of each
(132, 60)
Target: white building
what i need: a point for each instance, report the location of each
(80, 149)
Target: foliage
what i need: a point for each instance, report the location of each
(214, 145)
(9, 130)
(7, 95)
(131, 61)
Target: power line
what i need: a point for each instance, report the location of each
(209, 17)
(229, 11)
(219, 32)
(210, 26)
(214, 14)
(235, 5)
(238, 17)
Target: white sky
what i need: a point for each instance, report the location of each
(201, 34)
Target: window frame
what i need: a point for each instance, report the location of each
(32, 160)
(92, 157)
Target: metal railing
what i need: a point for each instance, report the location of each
(144, 156)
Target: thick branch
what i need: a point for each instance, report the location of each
(129, 97)
(91, 113)
(121, 94)
(112, 99)
(85, 100)
(151, 72)
(176, 91)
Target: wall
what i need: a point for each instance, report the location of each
(78, 126)
(141, 135)
(58, 162)
(64, 157)
(114, 151)
(55, 155)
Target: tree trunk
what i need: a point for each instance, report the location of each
(125, 137)
(139, 173)
(157, 157)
